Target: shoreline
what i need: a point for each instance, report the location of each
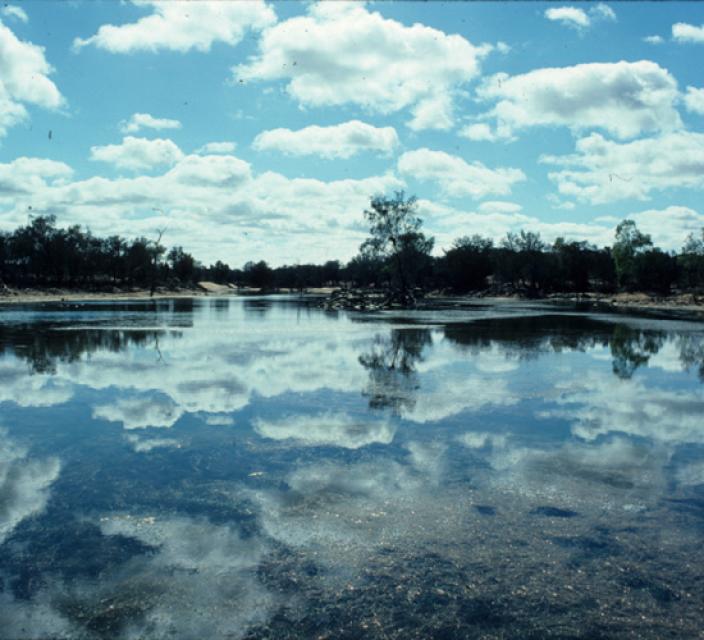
(643, 303)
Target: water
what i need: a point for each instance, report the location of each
(260, 468)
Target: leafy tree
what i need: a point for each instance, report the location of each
(525, 258)
(573, 264)
(259, 274)
(629, 243)
(395, 236)
(467, 264)
(182, 264)
(655, 270)
(691, 261)
(220, 272)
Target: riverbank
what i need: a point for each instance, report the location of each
(688, 304)
(51, 294)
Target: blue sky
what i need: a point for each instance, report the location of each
(261, 130)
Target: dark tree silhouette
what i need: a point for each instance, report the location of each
(395, 237)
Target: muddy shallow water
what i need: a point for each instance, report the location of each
(260, 468)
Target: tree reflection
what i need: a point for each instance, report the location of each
(692, 353)
(632, 348)
(391, 363)
(44, 347)
(528, 338)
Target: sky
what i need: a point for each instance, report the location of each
(261, 130)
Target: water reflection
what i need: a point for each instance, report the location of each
(254, 469)
(391, 362)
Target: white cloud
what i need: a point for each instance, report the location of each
(503, 47)
(578, 18)
(570, 16)
(217, 147)
(341, 53)
(24, 78)
(603, 11)
(13, 11)
(499, 206)
(24, 484)
(669, 227)
(455, 177)
(145, 445)
(623, 98)
(182, 26)
(331, 429)
(29, 175)
(140, 121)
(138, 154)
(140, 412)
(605, 171)
(213, 205)
(481, 131)
(597, 406)
(495, 222)
(694, 100)
(683, 32)
(337, 141)
(654, 39)
(479, 440)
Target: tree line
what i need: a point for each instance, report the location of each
(397, 255)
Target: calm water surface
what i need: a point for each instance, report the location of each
(263, 469)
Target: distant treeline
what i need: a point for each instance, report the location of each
(40, 254)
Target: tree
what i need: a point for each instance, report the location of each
(573, 264)
(691, 261)
(525, 258)
(395, 236)
(629, 243)
(655, 270)
(468, 263)
(182, 264)
(259, 274)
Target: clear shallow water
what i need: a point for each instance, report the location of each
(263, 469)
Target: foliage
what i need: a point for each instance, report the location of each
(467, 265)
(396, 254)
(629, 242)
(396, 238)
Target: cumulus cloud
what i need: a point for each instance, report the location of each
(337, 141)
(694, 100)
(342, 53)
(13, 11)
(24, 484)
(481, 131)
(654, 39)
(217, 147)
(24, 78)
(140, 121)
(625, 99)
(605, 171)
(683, 32)
(182, 26)
(570, 16)
(456, 177)
(29, 175)
(331, 429)
(138, 154)
(578, 18)
(495, 222)
(213, 205)
(669, 227)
